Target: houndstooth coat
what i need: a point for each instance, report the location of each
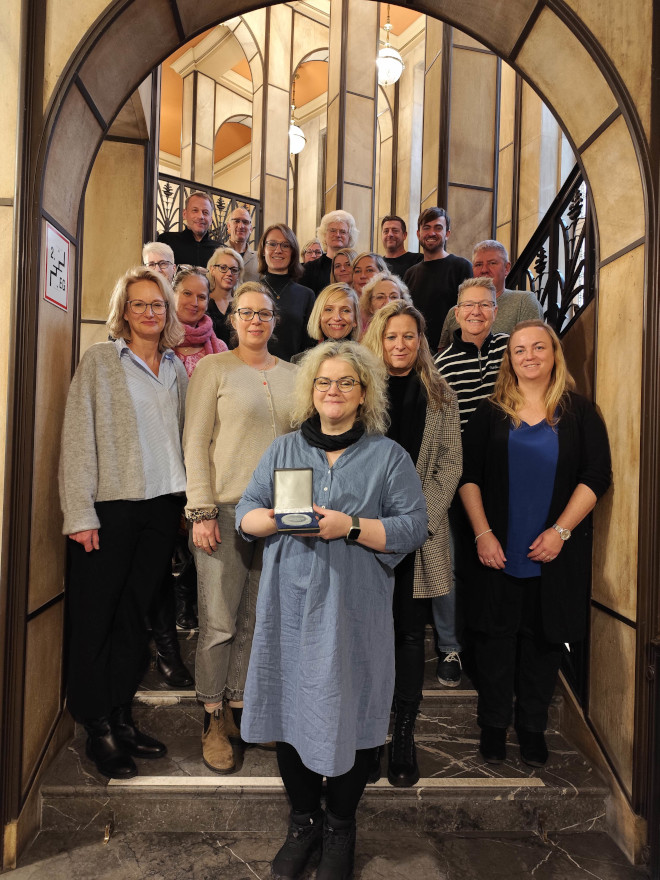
(439, 465)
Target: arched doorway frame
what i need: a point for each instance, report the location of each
(45, 173)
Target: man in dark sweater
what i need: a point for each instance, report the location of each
(433, 283)
(393, 233)
(192, 246)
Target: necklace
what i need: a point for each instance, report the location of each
(272, 289)
(268, 363)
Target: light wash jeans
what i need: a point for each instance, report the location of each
(445, 613)
(227, 588)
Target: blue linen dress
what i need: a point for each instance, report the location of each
(321, 673)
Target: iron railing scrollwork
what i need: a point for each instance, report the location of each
(557, 264)
(172, 195)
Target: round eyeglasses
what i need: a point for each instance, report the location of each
(345, 384)
(138, 307)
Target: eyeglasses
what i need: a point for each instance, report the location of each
(264, 315)
(315, 252)
(381, 297)
(161, 264)
(278, 245)
(345, 384)
(240, 222)
(224, 269)
(138, 307)
(485, 306)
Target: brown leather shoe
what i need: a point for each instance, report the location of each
(217, 752)
(232, 730)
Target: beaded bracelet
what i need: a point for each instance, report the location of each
(200, 514)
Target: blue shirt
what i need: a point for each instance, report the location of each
(321, 673)
(533, 451)
(156, 400)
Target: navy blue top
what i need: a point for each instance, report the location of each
(533, 451)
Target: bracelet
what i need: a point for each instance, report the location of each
(199, 514)
(483, 533)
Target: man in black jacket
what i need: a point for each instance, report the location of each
(193, 246)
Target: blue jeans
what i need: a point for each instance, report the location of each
(447, 618)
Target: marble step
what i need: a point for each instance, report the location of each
(458, 792)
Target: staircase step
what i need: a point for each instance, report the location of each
(457, 791)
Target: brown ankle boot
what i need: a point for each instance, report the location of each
(232, 729)
(217, 752)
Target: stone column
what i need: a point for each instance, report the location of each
(351, 131)
(198, 127)
(275, 115)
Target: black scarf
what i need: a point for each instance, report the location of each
(311, 431)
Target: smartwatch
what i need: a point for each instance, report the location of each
(354, 531)
(564, 534)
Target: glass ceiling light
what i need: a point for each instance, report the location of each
(297, 139)
(390, 63)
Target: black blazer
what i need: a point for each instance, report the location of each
(583, 457)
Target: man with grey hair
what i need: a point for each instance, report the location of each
(239, 226)
(491, 260)
(160, 258)
(193, 245)
(337, 230)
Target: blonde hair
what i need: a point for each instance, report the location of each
(118, 327)
(344, 252)
(217, 253)
(367, 290)
(370, 371)
(438, 393)
(330, 293)
(507, 395)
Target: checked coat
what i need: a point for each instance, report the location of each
(439, 466)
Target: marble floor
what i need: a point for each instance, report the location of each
(193, 856)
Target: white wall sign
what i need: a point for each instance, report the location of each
(56, 280)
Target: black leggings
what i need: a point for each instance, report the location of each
(303, 786)
(410, 619)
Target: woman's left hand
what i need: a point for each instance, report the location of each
(546, 547)
(332, 523)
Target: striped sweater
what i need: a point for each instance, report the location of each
(471, 372)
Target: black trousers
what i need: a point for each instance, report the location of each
(303, 785)
(517, 660)
(109, 594)
(410, 619)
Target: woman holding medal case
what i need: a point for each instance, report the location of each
(321, 672)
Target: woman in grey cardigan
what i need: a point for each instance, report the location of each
(122, 485)
(424, 420)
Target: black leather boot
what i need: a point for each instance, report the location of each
(104, 749)
(303, 837)
(185, 587)
(133, 741)
(402, 768)
(169, 664)
(338, 849)
(374, 764)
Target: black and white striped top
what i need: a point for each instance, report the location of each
(471, 372)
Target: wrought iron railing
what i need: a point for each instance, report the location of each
(558, 262)
(172, 195)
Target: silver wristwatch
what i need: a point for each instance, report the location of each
(564, 534)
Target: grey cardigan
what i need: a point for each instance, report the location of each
(100, 459)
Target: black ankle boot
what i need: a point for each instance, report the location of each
(163, 629)
(403, 770)
(133, 741)
(533, 747)
(185, 595)
(303, 837)
(104, 749)
(338, 849)
(492, 744)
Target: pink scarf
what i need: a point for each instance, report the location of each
(202, 334)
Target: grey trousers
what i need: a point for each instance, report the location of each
(227, 587)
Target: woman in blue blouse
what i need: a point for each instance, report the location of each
(321, 672)
(535, 460)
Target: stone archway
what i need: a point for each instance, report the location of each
(605, 112)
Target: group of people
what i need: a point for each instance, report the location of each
(453, 471)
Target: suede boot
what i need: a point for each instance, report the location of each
(217, 752)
